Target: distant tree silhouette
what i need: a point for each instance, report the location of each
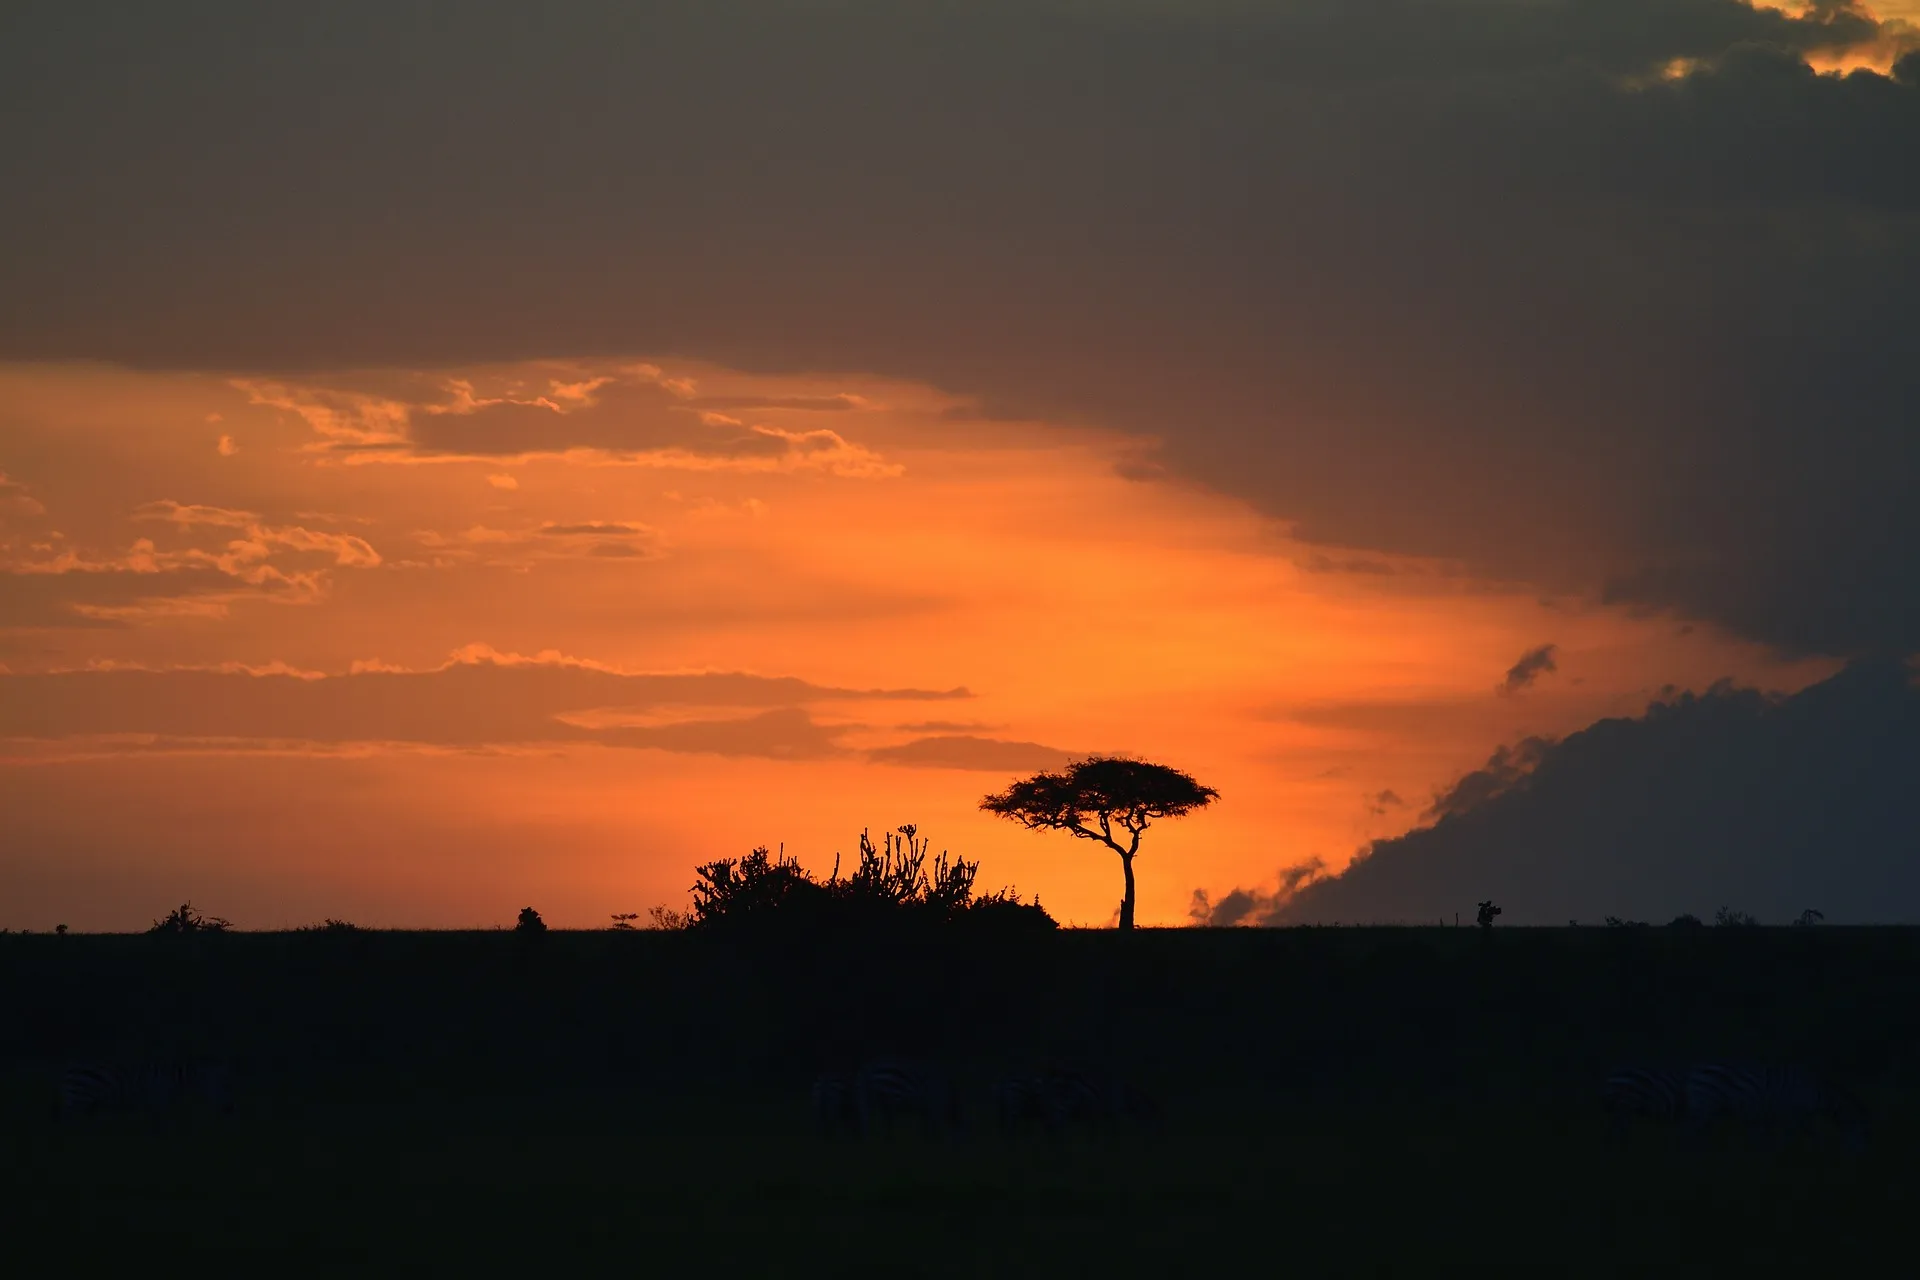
(184, 919)
(1727, 919)
(1809, 917)
(1487, 912)
(1095, 796)
(1686, 920)
(624, 920)
(530, 922)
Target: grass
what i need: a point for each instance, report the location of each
(1350, 1101)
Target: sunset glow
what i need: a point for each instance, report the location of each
(1021, 596)
(453, 463)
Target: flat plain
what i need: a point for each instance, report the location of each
(1336, 1100)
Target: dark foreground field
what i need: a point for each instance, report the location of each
(1390, 1100)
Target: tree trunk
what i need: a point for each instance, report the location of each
(1126, 903)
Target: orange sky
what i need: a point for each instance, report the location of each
(651, 516)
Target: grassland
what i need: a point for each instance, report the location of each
(1371, 1100)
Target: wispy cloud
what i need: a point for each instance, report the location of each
(59, 585)
(629, 415)
(1533, 664)
(479, 697)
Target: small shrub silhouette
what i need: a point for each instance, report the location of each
(1486, 914)
(330, 925)
(1615, 922)
(59, 928)
(1809, 918)
(1725, 919)
(624, 920)
(667, 919)
(530, 922)
(184, 919)
(1684, 921)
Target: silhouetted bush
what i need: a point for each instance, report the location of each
(330, 925)
(1809, 917)
(1684, 921)
(1487, 912)
(530, 922)
(1725, 919)
(891, 885)
(60, 929)
(624, 921)
(184, 919)
(666, 918)
(1615, 922)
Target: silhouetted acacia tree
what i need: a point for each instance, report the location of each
(1094, 797)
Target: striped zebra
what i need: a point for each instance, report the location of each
(1658, 1094)
(836, 1109)
(144, 1088)
(892, 1092)
(1775, 1103)
(1079, 1098)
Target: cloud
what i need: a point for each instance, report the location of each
(1380, 802)
(1732, 798)
(840, 403)
(593, 529)
(1605, 297)
(551, 541)
(965, 751)
(1255, 906)
(1533, 664)
(15, 500)
(478, 698)
(107, 597)
(629, 414)
(57, 585)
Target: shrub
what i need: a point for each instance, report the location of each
(530, 922)
(330, 925)
(184, 919)
(892, 884)
(1487, 912)
(1684, 921)
(1004, 912)
(1725, 919)
(1809, 917)
(667, 919)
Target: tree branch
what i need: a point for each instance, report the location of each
(1106, 838)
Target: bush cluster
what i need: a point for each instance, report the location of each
(892, 885)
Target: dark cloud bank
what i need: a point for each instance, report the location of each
(1460, 278)
(1732, 798)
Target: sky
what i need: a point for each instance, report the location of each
(449, 467)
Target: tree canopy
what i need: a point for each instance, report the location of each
(1093, 798)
